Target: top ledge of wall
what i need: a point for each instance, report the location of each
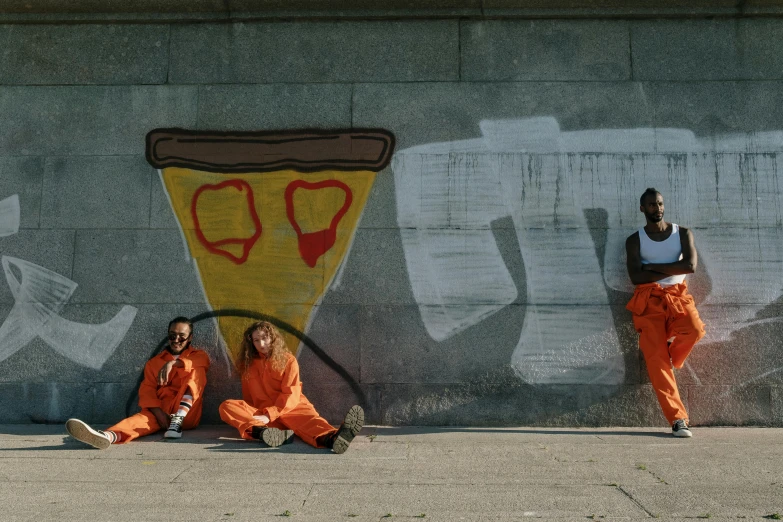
(53, 11)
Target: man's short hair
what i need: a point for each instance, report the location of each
(649, 192)
(181, 320)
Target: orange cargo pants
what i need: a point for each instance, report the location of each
(303, 420)
(660, 313)
(144, 423)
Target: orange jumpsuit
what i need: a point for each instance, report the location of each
(192, 378)
(278, 395)
(660, 313)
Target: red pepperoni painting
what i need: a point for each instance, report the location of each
(217, 247)
(312, 245)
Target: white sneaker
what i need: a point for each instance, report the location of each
(175, 428)
(680, 428)
(82, 432)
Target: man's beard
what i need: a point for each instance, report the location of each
(654, 217)
(185, 347)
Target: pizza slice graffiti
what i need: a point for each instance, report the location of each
(268, 217)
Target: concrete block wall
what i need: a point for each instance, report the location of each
(485, 284)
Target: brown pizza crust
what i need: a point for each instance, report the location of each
(304, 151)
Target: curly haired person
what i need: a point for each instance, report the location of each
(274, 408)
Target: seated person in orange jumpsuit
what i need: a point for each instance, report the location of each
(274, 408)
(660, 255)
(169, 396)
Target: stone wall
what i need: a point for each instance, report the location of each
(478, 279)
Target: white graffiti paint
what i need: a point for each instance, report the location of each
(40, 295)
(448, 195)
(9, 216)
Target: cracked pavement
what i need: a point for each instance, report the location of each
(447, 473)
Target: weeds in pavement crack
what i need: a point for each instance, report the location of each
(643, 467)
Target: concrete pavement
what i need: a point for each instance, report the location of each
(397, 473)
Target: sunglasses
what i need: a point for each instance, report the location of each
(176, 336)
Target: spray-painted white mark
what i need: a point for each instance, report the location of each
(54, 401)
(222, 353)
(9, 215)
(445, 208)
(40, 296)
(450, 290)
(692, 373)
(448, 194)
(764, 321)
(749, 381)
(182, 236)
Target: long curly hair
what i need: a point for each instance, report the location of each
(278, 354)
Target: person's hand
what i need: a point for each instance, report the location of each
(263, 419)
(165, 373)
(163, 419)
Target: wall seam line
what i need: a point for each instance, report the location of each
(459, 50)
(630, 51)
(73, 254)
(44, 159)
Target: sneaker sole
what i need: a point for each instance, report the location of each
(83, 433)
(352, 425)
(683, 434)
(172, 435)
(274, 437)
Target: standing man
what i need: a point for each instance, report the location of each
(660, 254)
(169, 396)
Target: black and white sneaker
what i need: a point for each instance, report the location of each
(680, 428)
(351, 426)
(175, 428)
(82, 432)
(274, 437)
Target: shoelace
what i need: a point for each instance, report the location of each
(176, 423)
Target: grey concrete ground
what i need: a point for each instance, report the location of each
(398, 473)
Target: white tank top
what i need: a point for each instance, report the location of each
(667, 251)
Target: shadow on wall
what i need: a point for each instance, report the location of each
(323, 357)
(556, 186)
(269, 219)
(572, 198)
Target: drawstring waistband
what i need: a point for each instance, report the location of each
(674, 296)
